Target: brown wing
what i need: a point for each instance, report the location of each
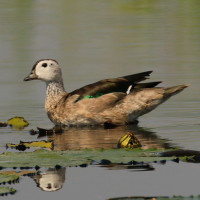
(120, 84)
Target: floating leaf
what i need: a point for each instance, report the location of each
(45, 158)
(129, 140)
(18, 122)
(42, 144)
(3, 124)
(17, 174)
(6, 190)
(8, 178)
(23, 145)
(19, 147)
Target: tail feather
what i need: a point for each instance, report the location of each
(170, 91)
(146, 100)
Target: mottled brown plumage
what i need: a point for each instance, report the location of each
(118, 101)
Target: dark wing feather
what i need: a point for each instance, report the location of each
(147, 85)
(120, 84)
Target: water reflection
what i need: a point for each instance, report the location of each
(132, 165)
(95, 138)
(53, 179)
(50, 180)
(150, 139)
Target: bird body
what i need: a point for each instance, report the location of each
(112, 102)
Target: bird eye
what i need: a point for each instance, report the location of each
(44, 65)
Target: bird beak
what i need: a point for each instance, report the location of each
(31, 76)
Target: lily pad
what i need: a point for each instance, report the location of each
(8, 178)
(45, 158)
(6, 190)
(23, 145)
(18, 122)
(17, 174)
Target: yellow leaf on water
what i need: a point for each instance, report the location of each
(42, 144)
(18, 122)
(129, 140)
(23, 145)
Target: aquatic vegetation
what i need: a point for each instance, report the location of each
(17, 122)
(8, 178)
(45, 158)
(4, 191)
(129, 140)
(24, 145)
(129, 156)
(11, 177)
(3, 124)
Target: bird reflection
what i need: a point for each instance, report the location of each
(50, 180)
(95, 138)
(149, 139)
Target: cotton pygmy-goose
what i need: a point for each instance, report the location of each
(114, 101)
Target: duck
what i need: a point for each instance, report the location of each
(109, 102)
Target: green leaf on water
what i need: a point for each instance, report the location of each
(8, 178)
(45, 158)
(6, 191)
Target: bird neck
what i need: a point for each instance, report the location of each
(55, 89)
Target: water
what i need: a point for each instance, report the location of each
(93, 40)
(104, 184)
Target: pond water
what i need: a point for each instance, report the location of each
(94, 40)
(99, 183)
